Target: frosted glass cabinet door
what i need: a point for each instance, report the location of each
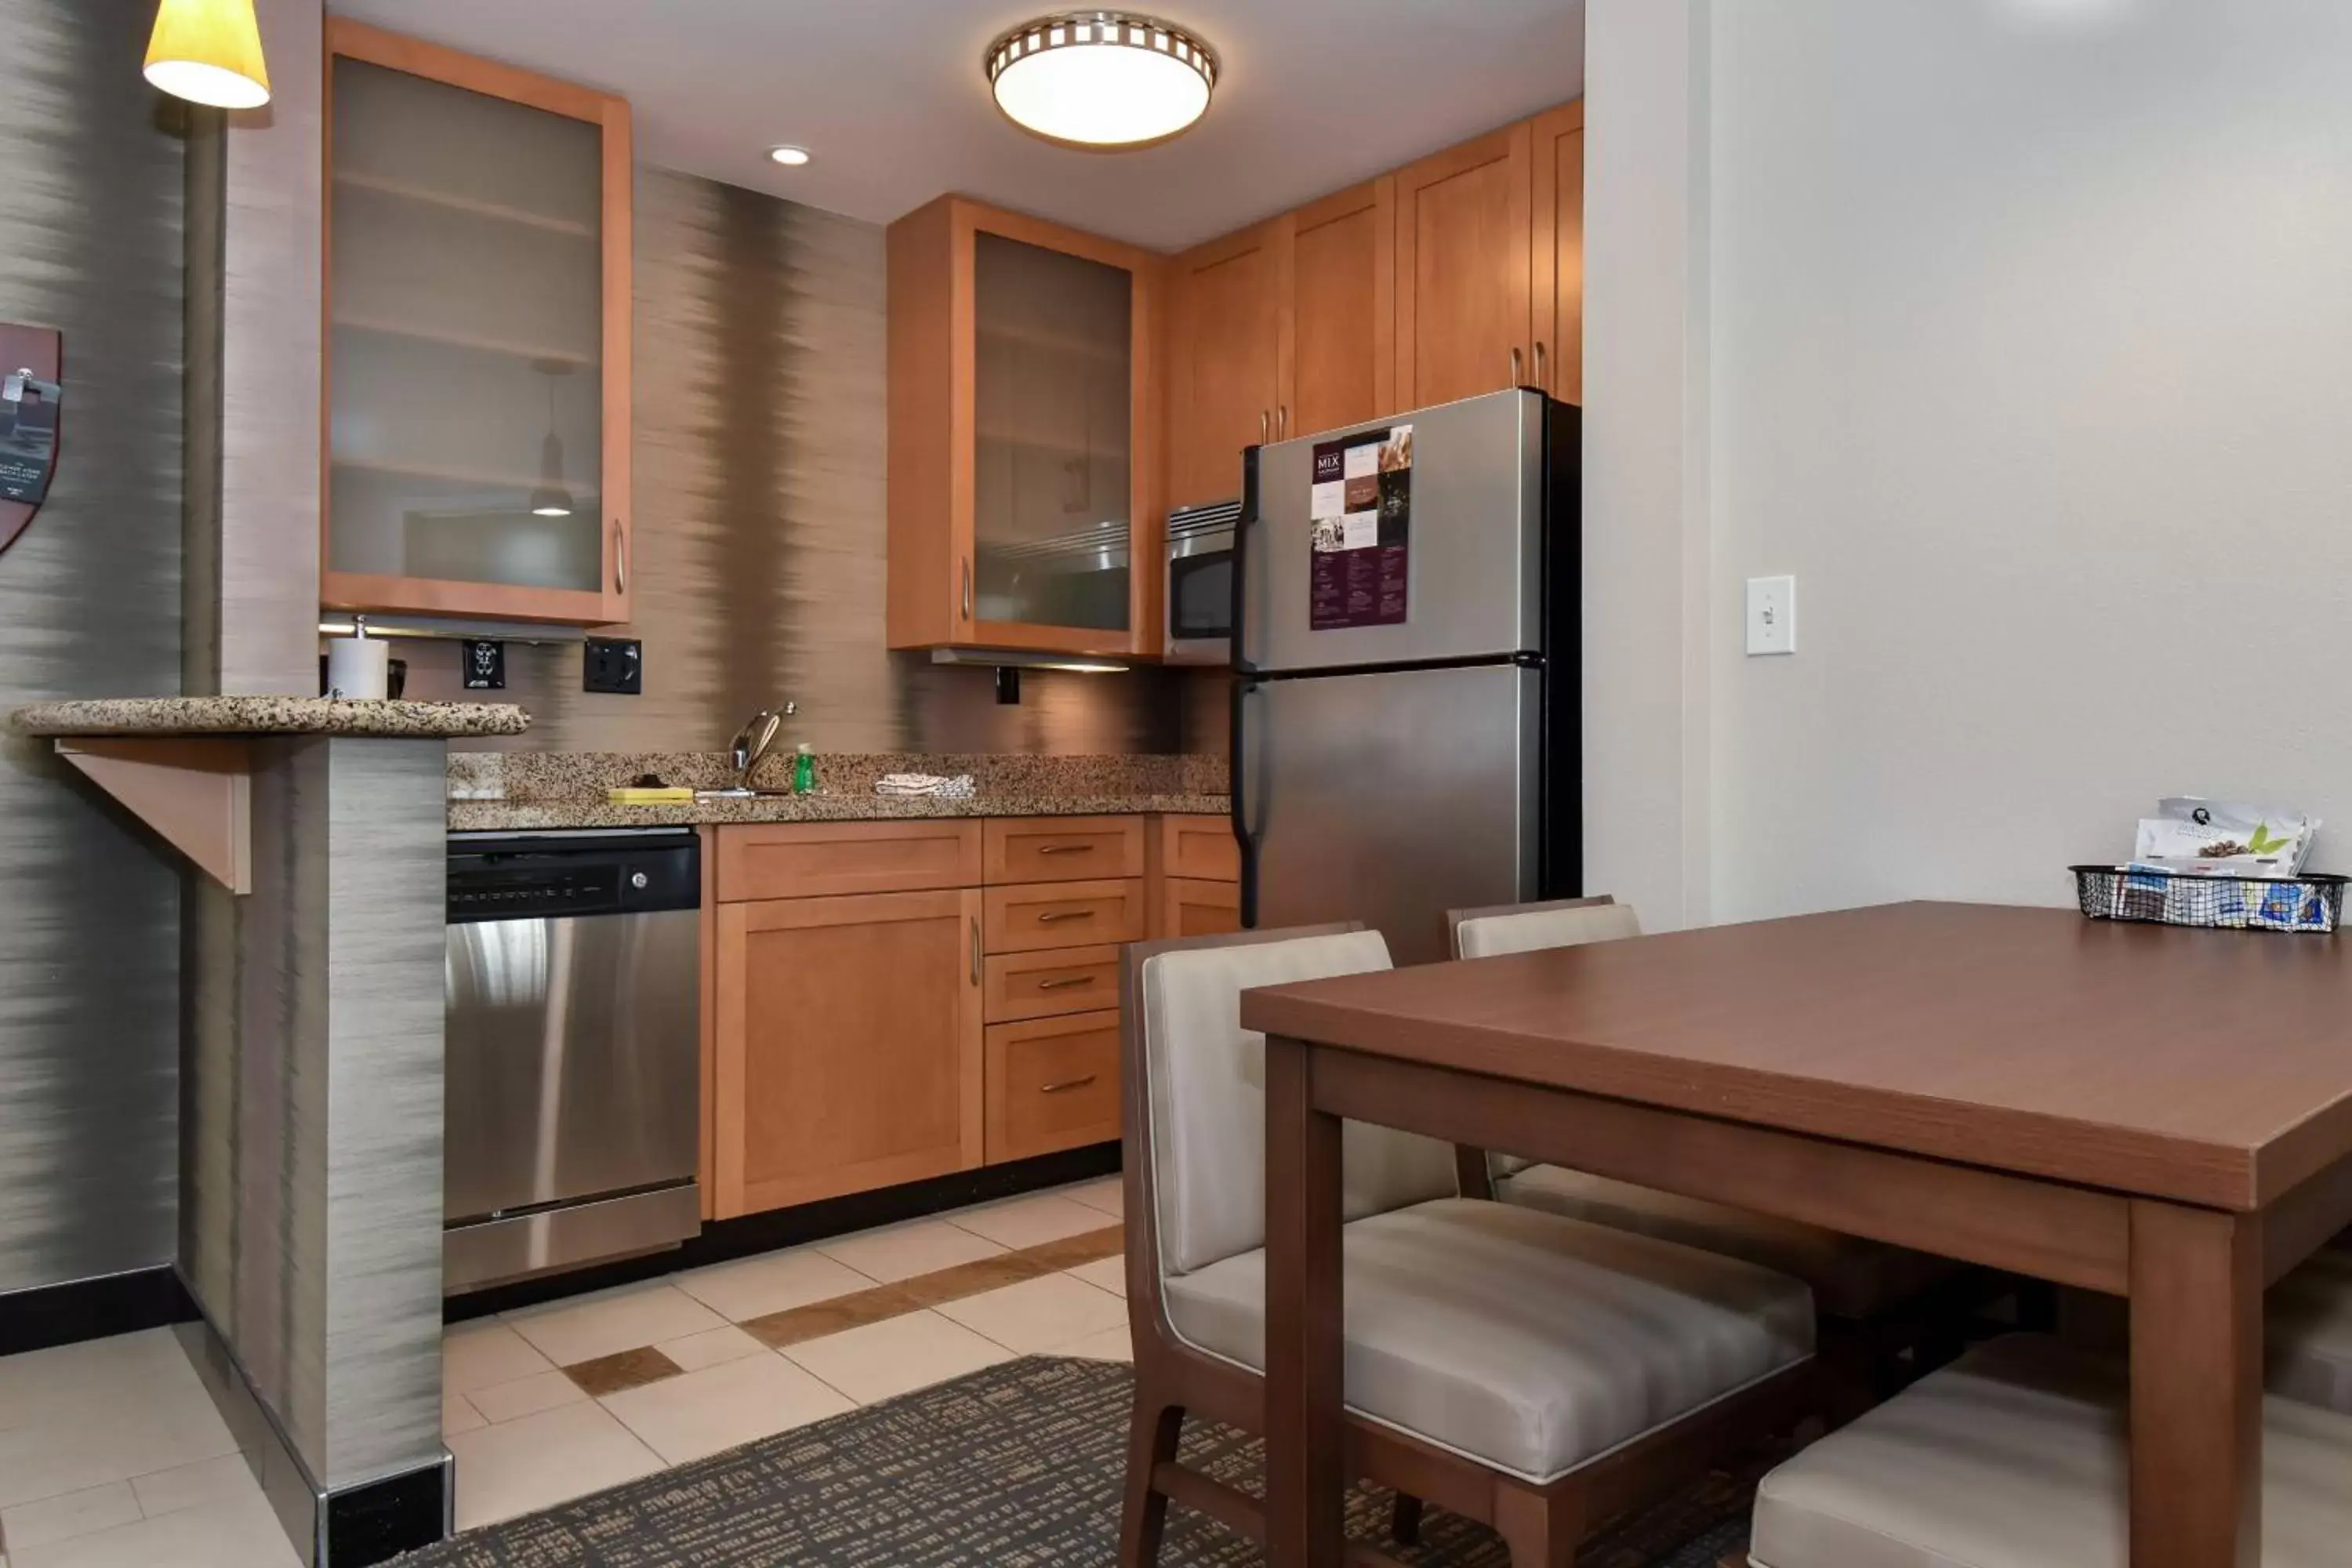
(1052, 493)
(478, 410)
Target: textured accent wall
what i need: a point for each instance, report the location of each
(89, 607)
(312, 1225)
(760, 410)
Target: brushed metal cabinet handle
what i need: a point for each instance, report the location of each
(1282, 422)
(620, 558)
(1065, 982)
(1048, 917)
(1539, 365)
(975, 949)
(1068, 1084)
(1066, 849)
(1515, 368)
(967, 589)
(1264, 419)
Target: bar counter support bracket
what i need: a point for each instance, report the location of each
(197, 795)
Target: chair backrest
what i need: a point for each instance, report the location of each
(1524, 928)
(1204, 1130)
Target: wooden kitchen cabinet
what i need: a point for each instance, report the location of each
(848, 1048)
(1031, 916)
(1192, 881)
(476, 367)
(1053, 1084)
(1559, 170)
(1465, 271)
(1189, 906)
(1025, 475)
(1063, 849)
(1039, 985)
(1339, 310)
(1225, 389)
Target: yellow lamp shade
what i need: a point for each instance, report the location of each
(209, 51)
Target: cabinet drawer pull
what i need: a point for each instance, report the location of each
(1065, 982)
(967, 590)
(975, 951)
(1066, 849)
(620, 558)
(1067, 1085)
(1048, 917)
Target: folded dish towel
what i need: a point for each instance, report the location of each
(956, 788)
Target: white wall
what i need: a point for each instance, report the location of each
(2030, 330)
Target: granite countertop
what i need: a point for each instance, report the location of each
(162, 716)
(509, 792)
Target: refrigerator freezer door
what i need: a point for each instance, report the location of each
(1392, 798)
(1474, 563)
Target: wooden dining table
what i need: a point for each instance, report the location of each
(2155, 1113)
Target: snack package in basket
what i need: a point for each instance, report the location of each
(2195, 837)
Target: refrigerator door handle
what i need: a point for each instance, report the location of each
(1244, 836)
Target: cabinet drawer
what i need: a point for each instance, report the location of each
(1200, 848)
(1192, 908)
(1051, 980)
(820, 859)
(1063, 914)
(1053, 1083)
(1063, 849)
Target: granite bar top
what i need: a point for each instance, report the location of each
(161, 716)
(507, 791)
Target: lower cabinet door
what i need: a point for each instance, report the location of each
(849, 1049)
(1189, 906)
(1053, 1083)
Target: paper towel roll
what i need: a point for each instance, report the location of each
(357, 668)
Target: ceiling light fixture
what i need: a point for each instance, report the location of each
(789, 157)
(208, 51)
(1102, 80)
(551, 497)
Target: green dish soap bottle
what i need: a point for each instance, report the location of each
(804, 769)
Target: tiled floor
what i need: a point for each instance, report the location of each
(553, 1401)
(111, 1455)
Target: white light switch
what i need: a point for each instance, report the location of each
(1771, 614)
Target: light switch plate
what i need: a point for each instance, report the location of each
(1771, 614)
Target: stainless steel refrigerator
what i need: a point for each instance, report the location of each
(1405, 724)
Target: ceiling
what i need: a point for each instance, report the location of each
(888, 95)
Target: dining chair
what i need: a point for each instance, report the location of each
(1526, 1370)
(2016, 1454)
(1882, 1299)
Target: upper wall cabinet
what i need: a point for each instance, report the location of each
(1560, 252)
(1025, 468)
(1465, 269)
(477, 366)
(1277, 330)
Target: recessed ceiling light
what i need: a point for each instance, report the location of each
(789, 157)
(1101, 79)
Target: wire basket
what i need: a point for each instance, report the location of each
(2308, 904)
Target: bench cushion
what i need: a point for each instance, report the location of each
(2014, 1457)
(1530, 1343)
(1850, 1277)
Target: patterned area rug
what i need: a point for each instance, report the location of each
(1018, 1467)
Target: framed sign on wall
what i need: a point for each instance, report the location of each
(31, 410)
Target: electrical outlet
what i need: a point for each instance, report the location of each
(1771, 614)
(614, 663)
(483, 663)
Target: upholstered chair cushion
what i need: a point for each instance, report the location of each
(1488, 936)
(2016, 1456)
(1207, 1082)
(1528, 1342)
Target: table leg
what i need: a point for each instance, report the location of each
(1305, 1442)
(2196, 1387)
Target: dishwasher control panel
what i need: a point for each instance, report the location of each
(506, 878)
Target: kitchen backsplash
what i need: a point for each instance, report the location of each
(760, 525)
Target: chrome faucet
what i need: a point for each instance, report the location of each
(751, 744)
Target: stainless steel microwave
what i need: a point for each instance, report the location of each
(1201, 584)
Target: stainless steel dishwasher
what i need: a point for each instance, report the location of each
(573, 1034)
